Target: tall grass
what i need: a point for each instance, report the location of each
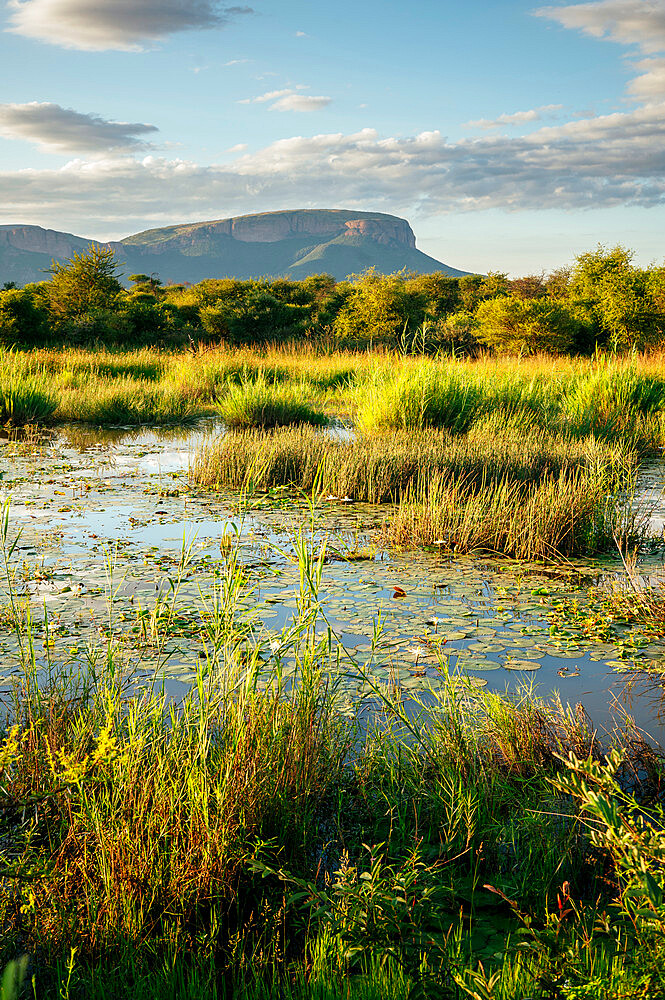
(256, 403)
(613, 401)
(256, 837)
(385, 391)
(25, 397)
(566, 515)
(607, 399)
(26, 401)
(124, 401)
(535, 496)
(382, 468)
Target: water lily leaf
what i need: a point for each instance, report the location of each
(524, 665)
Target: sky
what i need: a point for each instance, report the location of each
(511, 135)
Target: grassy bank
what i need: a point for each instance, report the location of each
(257, 842)
(378, 390)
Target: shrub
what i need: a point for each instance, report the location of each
(527, 326)
(22, 321)
(379, 309)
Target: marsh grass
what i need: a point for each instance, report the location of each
(382, 468)
(564, 515)
(26, 401)
(535, 496)
(255, 841)
(426, 397)
(615, 401)
(607, 399)
(258, 403)
(384, 391)
(124, 400)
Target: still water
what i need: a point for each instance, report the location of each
(104, 516)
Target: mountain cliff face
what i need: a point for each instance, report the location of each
(273, 227)
(290, 243)
(37, 240)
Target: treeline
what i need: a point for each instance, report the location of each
(602, 301)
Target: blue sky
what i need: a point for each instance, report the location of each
(512, 135)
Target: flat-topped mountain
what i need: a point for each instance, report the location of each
(274, 227)
(288, 243)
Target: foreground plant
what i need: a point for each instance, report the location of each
(265, 839)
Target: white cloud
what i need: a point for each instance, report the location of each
(63, 130)
(614, 160)
(289, 99)
(650, 84)
(300, 102)
(114, 24)
(516, 118)
(630, 22)
(271, 95)
(637, 23)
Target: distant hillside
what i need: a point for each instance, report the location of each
(294, 243)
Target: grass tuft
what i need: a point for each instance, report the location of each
(258, 403)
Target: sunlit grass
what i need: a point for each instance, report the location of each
(258, 836)
(123, 400)
(258, 403)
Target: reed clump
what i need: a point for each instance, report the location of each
(26, 397)
(26, 401)
(258, 403)
(385, 468)
(123, 400)
(563, 515)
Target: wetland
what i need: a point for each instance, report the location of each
(320, 669)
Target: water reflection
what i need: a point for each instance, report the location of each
(81, 493)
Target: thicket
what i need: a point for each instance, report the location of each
(602, 302)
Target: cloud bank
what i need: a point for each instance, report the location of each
(63, 130)
(128, 25)
(599, 162)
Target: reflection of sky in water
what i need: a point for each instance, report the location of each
(126, 470)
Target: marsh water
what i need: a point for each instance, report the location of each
(104, 517)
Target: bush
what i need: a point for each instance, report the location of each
(254, 317)
(378, 309)
(527, 325)
(22, 321)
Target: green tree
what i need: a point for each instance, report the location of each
(378, 308)
(531, 286)
(22, 321)
(86, 283)
(439, 291)
(621, 301)
(475, 288)
(526, 325)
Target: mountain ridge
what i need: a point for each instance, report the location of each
(289, 243)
